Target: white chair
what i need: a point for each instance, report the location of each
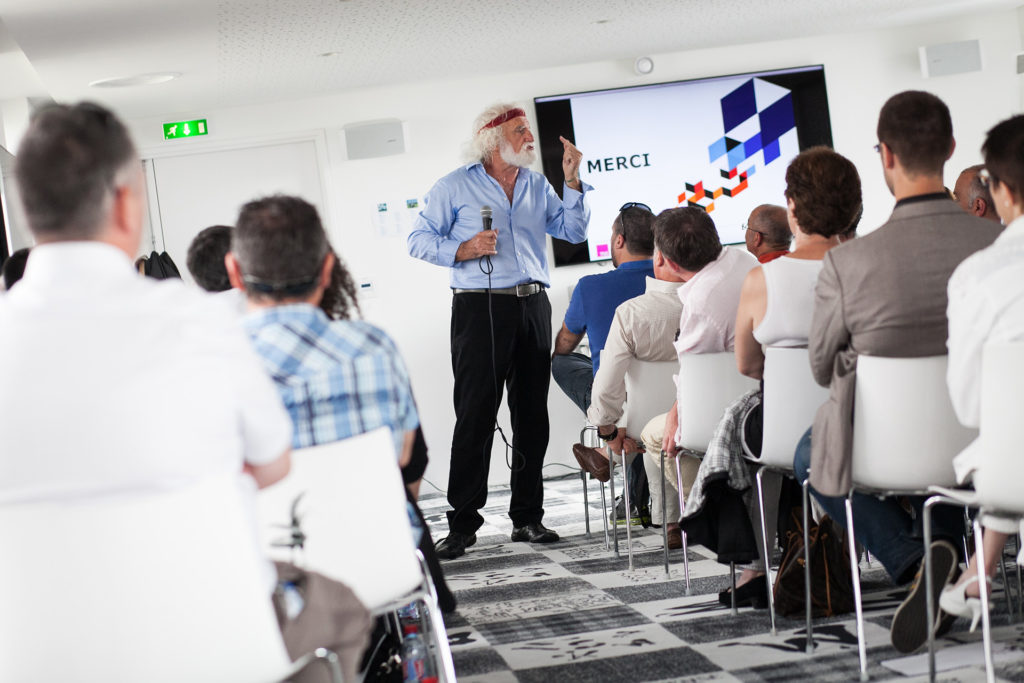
(999, 471)
(649, 392)
(353, 514)
(164, 586)
(905, 435)
(707, 384)
(790, 401)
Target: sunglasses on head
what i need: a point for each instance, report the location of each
(639, 205)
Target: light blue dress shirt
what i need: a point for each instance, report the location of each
(451, 216)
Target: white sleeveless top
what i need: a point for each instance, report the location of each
(789, 285)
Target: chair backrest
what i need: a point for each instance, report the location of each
(353, 512)
(791, 399)
(1000, 467)
(708, 383)
(905, 433)
(158, 587)
(650, 391)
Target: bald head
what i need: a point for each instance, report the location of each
(972, 196)
(767, 230)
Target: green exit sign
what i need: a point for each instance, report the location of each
(185, 129)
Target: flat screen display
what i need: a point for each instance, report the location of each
(720, 143)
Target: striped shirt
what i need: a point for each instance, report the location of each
(336, 378)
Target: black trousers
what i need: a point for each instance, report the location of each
(521, 361)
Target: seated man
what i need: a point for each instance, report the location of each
(590, 312)
(595, 298)
(205, 258)
(712, 277)
(767, 233)
(114, 383)
(336, 378)
(873, 298)
(973, 196)
(643, 329)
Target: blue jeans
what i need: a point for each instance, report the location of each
(883, 526)
(574, 375)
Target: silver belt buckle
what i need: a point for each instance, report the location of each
(524, 289)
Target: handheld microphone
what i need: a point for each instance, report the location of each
(485, 216)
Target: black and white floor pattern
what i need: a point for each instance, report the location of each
(572, 611)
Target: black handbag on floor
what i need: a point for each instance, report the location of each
(831, 584)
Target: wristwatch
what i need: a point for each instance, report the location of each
(607, 437)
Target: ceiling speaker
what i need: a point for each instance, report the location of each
(950, 58)
(372, 139)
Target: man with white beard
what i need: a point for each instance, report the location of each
(501, 317)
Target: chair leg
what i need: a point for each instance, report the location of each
(604, 517)
(664, 515)
(929, 589)
(586, 501)
(1010, 612)
(764, 546)
(1020, 589)
(629, 508)
(855, 575)
(986, 626)
(438, 632)
(807, 566)
(732, 591)
(615, 513)
(682, 507)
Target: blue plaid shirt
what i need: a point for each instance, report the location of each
(336, 378)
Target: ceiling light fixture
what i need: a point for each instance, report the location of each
(140, 79)
(643, 66)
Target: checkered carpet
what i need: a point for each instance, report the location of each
(572, 611)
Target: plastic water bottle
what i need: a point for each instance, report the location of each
(414, 655)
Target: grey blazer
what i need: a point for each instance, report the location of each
(882, 294)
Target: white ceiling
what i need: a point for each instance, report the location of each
(234, 52)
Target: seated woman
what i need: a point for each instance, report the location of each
(986, 303)
(823, 201)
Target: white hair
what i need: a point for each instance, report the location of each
(485, 141)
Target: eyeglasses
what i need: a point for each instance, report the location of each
(747, 227)
(639, 205)
(984, 177)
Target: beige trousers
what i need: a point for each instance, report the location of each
(688, 466)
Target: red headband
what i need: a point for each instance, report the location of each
(502, 118)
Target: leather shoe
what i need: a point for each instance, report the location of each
(454, 545)
(534, 532)
(750, 594)
(675, 537)
(592, 461)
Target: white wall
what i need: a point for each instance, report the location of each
(412, 300)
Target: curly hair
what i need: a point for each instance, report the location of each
(485, 141)
(825, 189)
(339, 301)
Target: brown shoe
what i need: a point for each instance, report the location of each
(675, 537)
(592, 460)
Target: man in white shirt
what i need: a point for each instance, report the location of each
(712, 276)
(643, 328)
(112, 383)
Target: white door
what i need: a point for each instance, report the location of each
(194, 191)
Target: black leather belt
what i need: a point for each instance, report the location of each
(521, 290)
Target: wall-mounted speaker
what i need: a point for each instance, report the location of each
(947, 59)
(372, 139)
